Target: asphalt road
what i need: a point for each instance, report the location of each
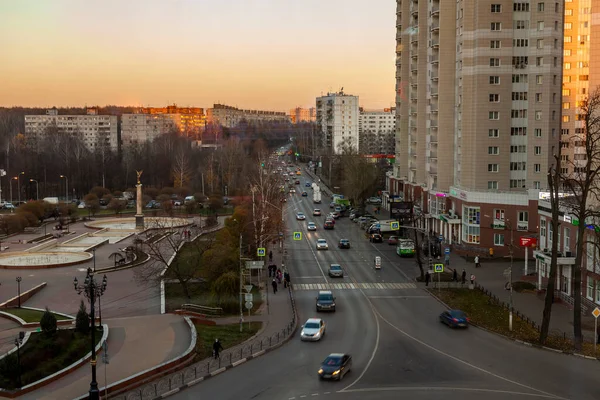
(399, 348)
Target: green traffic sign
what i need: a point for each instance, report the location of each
(395, 225)
(261, 251)
(297, 235)
(438, 268)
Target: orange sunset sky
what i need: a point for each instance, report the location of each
(259, 54)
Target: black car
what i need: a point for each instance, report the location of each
(335, 366)
(304, 194)
(344, 244)
(376, 238)
(325, 301)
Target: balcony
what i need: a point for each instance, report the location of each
(433, 123)
(435, 9)
(433, 108)
(412, 165)
(413, 111)
(435, 25)
(434, 58)
(431, 168)
(413, 97)
(414, 67)
(431, 153)
(432, 138)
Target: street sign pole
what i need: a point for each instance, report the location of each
(596, 314)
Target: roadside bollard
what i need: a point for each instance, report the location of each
(230, 358)
(241, 354)
(208, 367)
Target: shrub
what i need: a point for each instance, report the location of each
(48, 323)
(82, 320)
(522, 286)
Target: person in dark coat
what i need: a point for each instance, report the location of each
(274, 284)
(427, 278)
(286, 279)
(217, 347)
(464, 276)
(454, 276)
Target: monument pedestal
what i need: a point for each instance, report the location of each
(139, 221)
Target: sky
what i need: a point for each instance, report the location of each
(252, 54)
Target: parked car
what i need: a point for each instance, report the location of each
(374, 200)
(9, 206)
(81, 205)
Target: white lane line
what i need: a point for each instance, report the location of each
(399, 297)
(308, 277)
(442, 388)
(546, 394)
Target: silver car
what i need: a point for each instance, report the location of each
(322, 244)
(335, 270)
(313, 329)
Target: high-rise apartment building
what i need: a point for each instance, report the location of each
(337, 121)
(300, 114)
(478, 114)
(376, 131)
(229, 117)
(95, 131)
(140, 128)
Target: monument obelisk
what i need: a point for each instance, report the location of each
(139, 215)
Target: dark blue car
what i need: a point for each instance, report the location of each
(454, 319)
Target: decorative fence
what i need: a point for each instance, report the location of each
(203, 369)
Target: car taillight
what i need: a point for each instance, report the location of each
(454, 319)
(468, 319)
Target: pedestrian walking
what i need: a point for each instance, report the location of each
(454, 276)
(464, 276)
(477, 265)
(270, 255)
(427, 278)
(447, 260)
(274, 284)
(286, 279)
(472, 279)
(217, 347)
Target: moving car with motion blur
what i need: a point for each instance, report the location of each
(300, 216)
(335, 366)
(454, 319)
(317, 212)
(311, 226)
(322, 244)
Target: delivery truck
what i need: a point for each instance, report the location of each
(317, 196)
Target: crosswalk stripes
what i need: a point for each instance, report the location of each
(353, 286)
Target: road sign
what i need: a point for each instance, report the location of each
(394, 225)
(528, 241)
(248, 297)
(261, 252)
(254, 264)
(438, 268)
(441, 238)
(249, 305)
(447, 250)
(297, 235)
(248, 288)
(596, 312)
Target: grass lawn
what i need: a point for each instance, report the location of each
(42, 356)
(200, 295)
(229, 335)
(483, 311)
(31, 315)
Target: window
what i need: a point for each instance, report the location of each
(520, 78)
(494, 115)
(496, 26)
(568, 25)
(537, 150)
(519, 165)
(492, 184)
(537, 168)
(540, 7)
(568, 65)
(494, 62)
(520, 42)
(518, 113)
(494, 98)
(568, 12)
(499, 214)
(540, 25)
(542, 230)
(538, 115)
(521, 24)
(518, 149)
(566, 118)
(539, 79)
(520, 6)
(523, 221)
(498, 239)
(567, 234)
(494, 44)
(566, 53)
(493, 150)
(538, 97)
(519, 96)
(590, 287)
(540, 43)
(493, 133)
(492, 167)
(539, 61)
(494, 80)
(518, 131)
(566, 105)
(471, 229)
(496, 8)
(517, 183)
(537, 185)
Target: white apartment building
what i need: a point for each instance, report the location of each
(93, 129)
(140, 128)
(300, 114)
(337, 121)
(478, 106)
(376, 131)
(229, 117)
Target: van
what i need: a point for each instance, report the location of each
(51, 200)
(189, 199)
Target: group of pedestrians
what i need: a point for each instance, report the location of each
(280, 277)
(463, 277)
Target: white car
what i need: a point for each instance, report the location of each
(300, 216)
(316, 212)
(292, 190)
(313, 329)
(311, 226)
(322, 244)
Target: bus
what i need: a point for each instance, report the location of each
(405, 248)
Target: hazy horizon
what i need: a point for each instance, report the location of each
(254, 54)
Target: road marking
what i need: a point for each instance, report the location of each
(546, 394)
(308, 277)
(353, 286)
(399, 297)
(417, 388)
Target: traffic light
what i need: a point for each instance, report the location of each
(262, 164)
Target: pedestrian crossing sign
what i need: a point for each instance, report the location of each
(261, 252)
(438, 268)
(394, 225)
(297, 235)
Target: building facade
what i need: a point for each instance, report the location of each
(230, 117)
(337, 121)
(376, 131)
(478, 109)
(140, 128)
(300, 114)
(95, 131)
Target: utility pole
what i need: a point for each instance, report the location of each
(241, 283)
(510, 297)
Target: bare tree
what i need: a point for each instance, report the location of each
(582, 183)
(181, 170)
(554, 181)
(358, 175)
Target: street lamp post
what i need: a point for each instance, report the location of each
(37, 188)
(14, 178)
(19, 184)
(66, 187)
(19, 279)
(18, 343)
(92, 291)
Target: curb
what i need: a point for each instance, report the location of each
(519, 341)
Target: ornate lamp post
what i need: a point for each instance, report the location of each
(92, 291)
(19, 279)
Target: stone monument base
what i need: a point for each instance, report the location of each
(139, 221)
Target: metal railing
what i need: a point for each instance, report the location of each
(203, 369)
(202, 309)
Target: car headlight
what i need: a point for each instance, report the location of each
(336, 372)
(320, 370)
(302, 333)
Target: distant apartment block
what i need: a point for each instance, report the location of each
(300, 114)
(95, 131)
(376, 131)
(140, 128)
(337, 121)
(230, 117)
(190, 121)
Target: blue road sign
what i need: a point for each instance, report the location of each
(441, 238)
(261, 252)
(438, 268)
(394, 225)
(297, 235)
(447, 250)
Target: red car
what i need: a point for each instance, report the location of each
(393, 240)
